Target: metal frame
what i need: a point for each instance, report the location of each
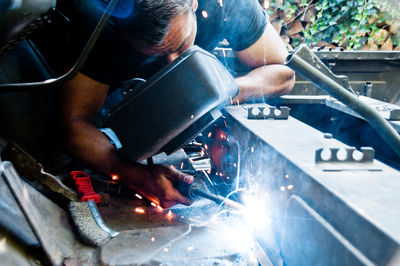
(361, 206)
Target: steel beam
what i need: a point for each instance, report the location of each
(360, 206)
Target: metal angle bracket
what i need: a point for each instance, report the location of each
(346, 159)
(268, 112)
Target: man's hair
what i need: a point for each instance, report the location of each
(150, 20)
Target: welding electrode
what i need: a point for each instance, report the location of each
(192, 191)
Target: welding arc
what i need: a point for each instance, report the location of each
(192, 191)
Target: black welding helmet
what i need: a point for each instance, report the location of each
(172, 107)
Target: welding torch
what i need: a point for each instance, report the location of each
(193, 191)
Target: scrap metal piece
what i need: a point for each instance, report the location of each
(346, 159)
(268, 112)
(13, 221)
(53, 254)
(31, 169)
(49, 223)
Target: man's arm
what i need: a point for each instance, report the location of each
(269, 77)
(80, 99)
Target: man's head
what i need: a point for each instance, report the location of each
(161, 27)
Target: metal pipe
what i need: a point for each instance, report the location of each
(78, 65)
(193, 191)
(217, 199)
(299, 63)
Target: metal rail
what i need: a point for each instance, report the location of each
(78, 65)
(303, 61)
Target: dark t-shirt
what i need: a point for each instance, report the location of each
(113, 60)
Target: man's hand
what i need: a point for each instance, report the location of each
(157, 183)
(80, 100)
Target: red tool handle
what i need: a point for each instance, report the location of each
(84, 186)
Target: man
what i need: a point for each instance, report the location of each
(159, 31)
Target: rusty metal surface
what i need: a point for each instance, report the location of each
(51, 224)
(182, 244)
(31, 169)
(168, 237)
(12, 254)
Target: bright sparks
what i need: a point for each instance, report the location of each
(138, 196)
(153, 204)
(290, 187)
(139, 210)
(115, 177)
(204, 14)
(153, 239)
(221, 3)
(170, 215)
(282, 188)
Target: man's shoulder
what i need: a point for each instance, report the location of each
(241, 22)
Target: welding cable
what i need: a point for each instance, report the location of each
(78, 65)
(303, 61)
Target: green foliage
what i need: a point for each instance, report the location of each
(345, 23)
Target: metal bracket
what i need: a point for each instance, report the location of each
(346, 159)
(366, 89)
(268, 112)
(305, 54)
(394, 115)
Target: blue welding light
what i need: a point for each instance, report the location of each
(124, 8)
